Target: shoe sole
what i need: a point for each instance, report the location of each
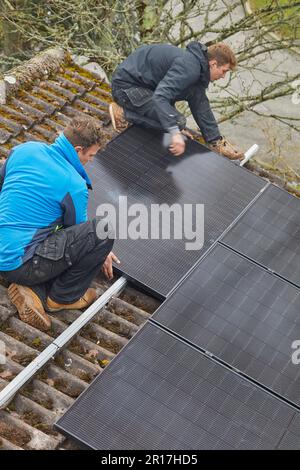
(23, 298)
(71, 307)
(227, 155)
(235, 157)
(112, 117)
(60, 309)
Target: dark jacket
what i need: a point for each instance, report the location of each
(173, 74)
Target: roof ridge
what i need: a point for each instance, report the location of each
(39, 66)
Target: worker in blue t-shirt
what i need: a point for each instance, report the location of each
(49, 251)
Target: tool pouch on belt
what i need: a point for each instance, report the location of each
(138, 96)
(53, 247)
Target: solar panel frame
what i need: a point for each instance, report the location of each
(269, 233)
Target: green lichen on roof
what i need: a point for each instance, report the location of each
(43, 94)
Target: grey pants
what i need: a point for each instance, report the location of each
(64, 264)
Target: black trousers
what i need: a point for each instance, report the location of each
(65, 263)
(139, 108)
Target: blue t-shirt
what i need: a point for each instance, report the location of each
(42, 187)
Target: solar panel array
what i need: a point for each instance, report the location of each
(242, 314)
(160, 393)
(137, 165)
(213, 367)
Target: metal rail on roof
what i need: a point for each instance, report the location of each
(7, 394)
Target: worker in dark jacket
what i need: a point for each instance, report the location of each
(49, 250)
(148, 83)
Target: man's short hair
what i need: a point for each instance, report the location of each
(222, 54)
(84, 131)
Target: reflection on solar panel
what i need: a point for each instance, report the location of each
(160, 393)
(242, 314)
(137, 165)
(269, 233)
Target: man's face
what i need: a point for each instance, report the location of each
(217, 71)
(87, 154)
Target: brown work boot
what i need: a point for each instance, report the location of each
(225, 148)
(117, 117)
(84, 301)
(29, 306)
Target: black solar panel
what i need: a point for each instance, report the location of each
(242, 314)
(160, 393)
(137, 165)
(269, 233)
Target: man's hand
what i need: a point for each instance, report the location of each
(107, 267)
(177, 146)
